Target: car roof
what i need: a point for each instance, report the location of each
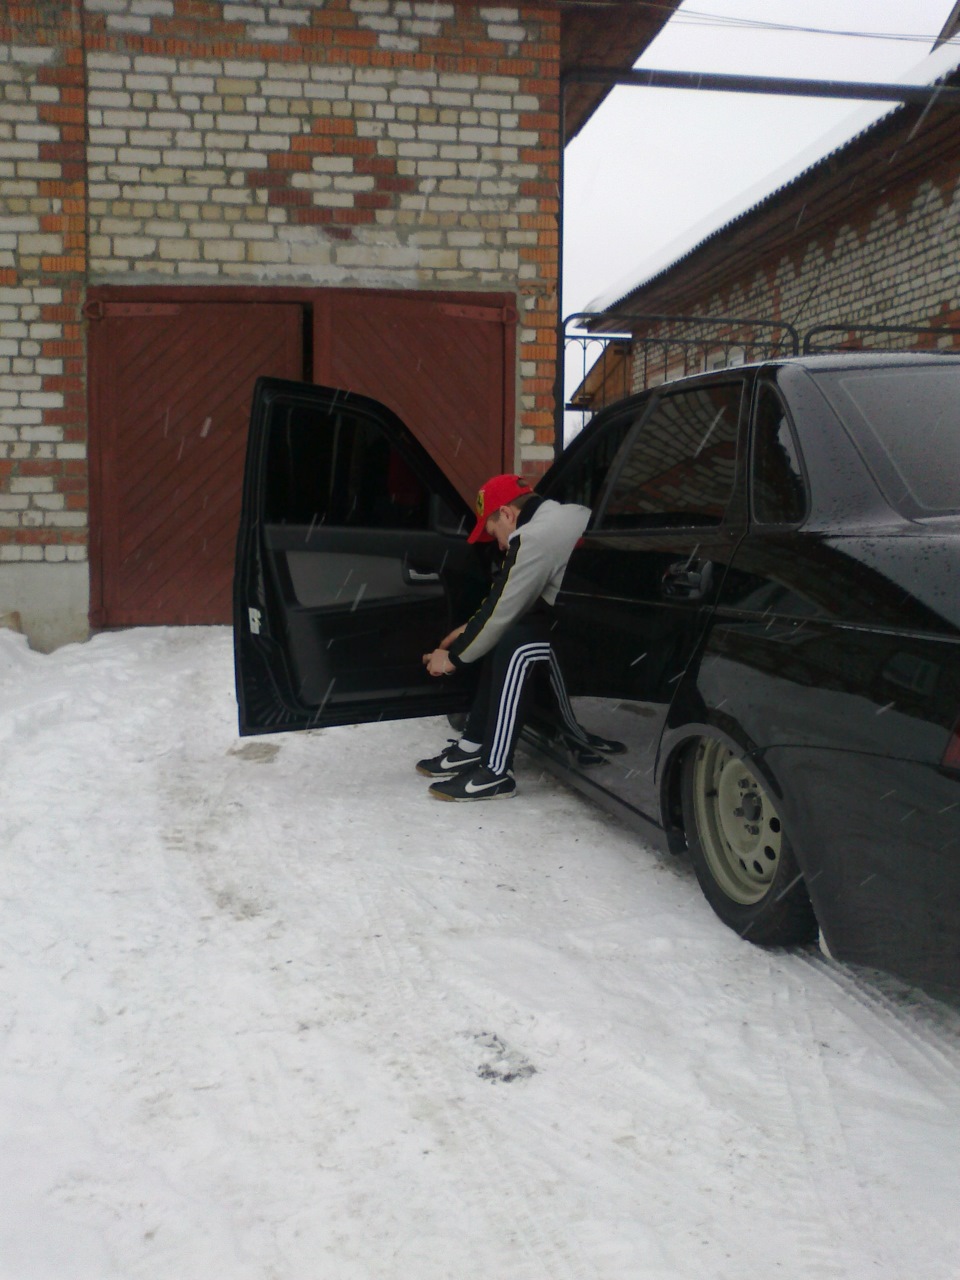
(812, 363)
(868, 359)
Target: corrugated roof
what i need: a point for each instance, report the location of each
(935, 67)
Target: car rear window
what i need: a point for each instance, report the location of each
(906, 423)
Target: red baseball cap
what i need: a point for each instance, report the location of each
(496, 493)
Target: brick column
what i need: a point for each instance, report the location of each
(43, 505)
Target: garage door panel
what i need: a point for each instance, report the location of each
(171, 383)
(171, 421)
(442, 368)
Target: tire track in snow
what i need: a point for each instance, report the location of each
(850, 1231)
(824, 1240)
(742, 1103)
(922, 1033)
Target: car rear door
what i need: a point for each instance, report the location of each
(352, 561)
(639, 590)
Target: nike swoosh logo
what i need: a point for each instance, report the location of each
(473, 787)
(447, 763)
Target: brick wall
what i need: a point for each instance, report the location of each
(380, 143)
(893, 260)
(42, 270)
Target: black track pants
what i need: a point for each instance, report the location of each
(503, 692)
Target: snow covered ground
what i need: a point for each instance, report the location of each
(267, 1012)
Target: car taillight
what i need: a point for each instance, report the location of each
(951, 757)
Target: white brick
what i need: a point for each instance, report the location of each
(268, 252)
(24, 419)
(418, 79)
(149, 64)
(66, 519)
(31, 56)
(134, 246)
(139, 26)
(507, 34)
(109, 61)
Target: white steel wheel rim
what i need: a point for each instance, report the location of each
(739, 828)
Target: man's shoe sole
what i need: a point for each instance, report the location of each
(489, 795)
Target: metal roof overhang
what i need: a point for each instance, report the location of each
(926, 96)
(605, 34)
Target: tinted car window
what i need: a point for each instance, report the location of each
(581, 476)
(907, 424)
(680, 466)
(340, 470)
(779, 494)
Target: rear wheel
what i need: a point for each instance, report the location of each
(740, 852)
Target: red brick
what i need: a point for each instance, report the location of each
(353, 215)
(289, 197)
(372, 200)
(354, 147)
(39, 467)
(313, 216)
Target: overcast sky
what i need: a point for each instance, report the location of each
(653, 162)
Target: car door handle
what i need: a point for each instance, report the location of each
(416, 577)
(688, 580)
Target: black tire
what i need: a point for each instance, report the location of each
(739, 850)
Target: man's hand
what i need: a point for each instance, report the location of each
(447, 641)
(438, 663)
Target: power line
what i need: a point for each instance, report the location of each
(698, 17)
(704, 18)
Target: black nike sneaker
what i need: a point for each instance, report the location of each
(450, 762)
(479, 783)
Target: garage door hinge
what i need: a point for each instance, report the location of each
(98, 310)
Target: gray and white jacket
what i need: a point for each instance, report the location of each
(532, 570)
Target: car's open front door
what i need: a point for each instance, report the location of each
(352, 561)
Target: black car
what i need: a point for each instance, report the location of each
(765, 611)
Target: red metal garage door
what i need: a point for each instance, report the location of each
(171, 384)
(171, 375)
(443, 363)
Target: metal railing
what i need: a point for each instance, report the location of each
(602, 367)
(916, 338)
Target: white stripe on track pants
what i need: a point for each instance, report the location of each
(502, 697)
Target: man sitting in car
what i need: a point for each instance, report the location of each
(509, 635)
